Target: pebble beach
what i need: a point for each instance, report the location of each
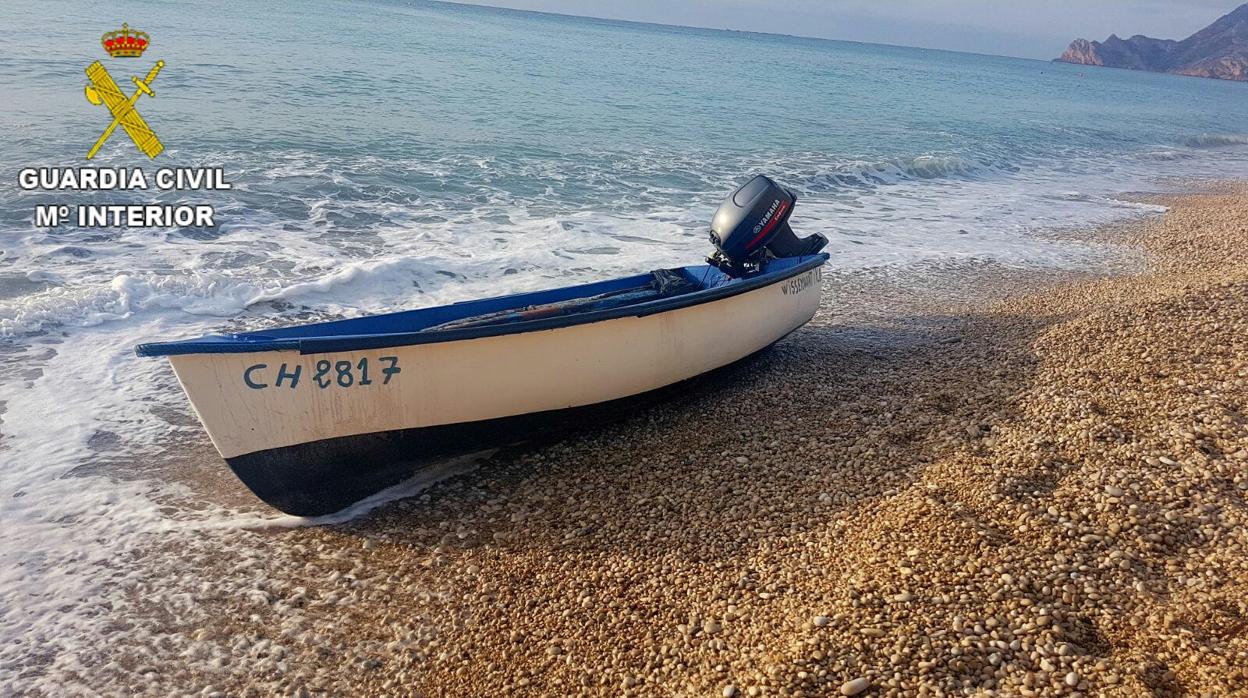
(997, 482)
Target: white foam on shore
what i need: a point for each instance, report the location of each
(922, 221)
(67, 537)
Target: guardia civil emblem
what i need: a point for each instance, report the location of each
(125, 43)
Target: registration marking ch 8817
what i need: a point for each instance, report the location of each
(323, 374)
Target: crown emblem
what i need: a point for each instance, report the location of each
(125, 43)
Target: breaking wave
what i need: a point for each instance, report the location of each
(193, 293)
(1216, 140)
(830, 175)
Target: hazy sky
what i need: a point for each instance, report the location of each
(1033, 29)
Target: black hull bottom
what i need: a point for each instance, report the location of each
(322, 477)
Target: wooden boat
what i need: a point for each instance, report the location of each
(314, 417)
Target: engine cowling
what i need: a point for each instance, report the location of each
(752, 225)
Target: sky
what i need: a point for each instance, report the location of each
(1027, 29)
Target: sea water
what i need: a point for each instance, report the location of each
(393, 155)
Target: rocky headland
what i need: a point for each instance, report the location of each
(1217, 51)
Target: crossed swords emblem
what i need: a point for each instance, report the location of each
(103, 90)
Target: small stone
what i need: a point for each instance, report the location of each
(855, 686)
(629, 682)
(1072, 679)
(729, 691)
(820, 621)
(742, 460)
(904, 597)
(1113, 491)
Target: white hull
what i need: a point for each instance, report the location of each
(252, 402)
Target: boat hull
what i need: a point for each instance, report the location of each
(322, 477)
(311, 433)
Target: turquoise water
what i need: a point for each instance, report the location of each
(391, 155)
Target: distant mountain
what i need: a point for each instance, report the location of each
(1220, 50)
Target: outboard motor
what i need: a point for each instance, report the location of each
(752, 226)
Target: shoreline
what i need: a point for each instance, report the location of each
(1029, 482)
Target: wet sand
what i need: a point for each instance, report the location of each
(991, 480)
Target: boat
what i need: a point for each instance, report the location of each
(315, 417)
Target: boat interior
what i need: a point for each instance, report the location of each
(658, 290)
